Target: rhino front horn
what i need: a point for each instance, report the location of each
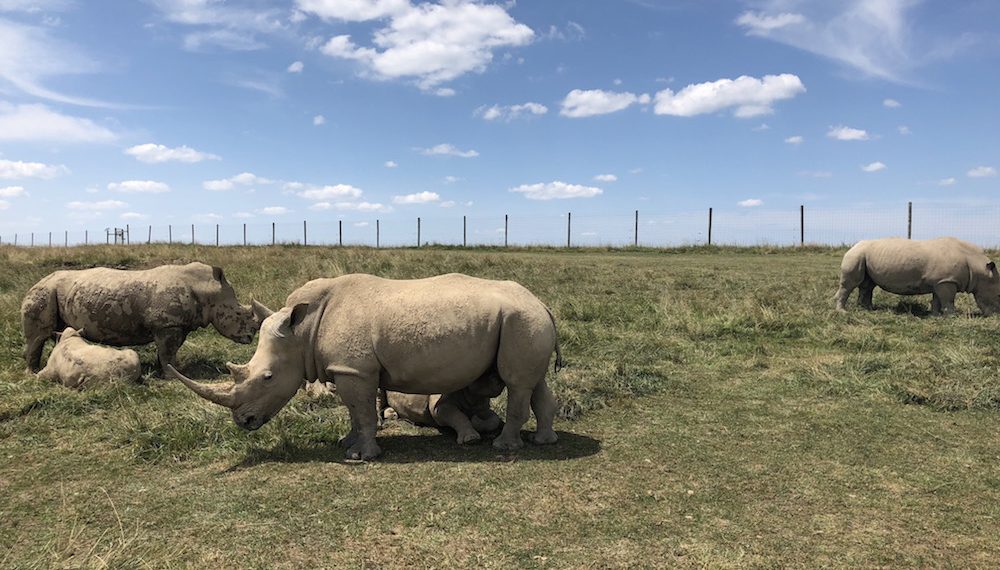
(261, 311)
(221, 394)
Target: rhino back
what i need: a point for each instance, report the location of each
(119, 307)
(909, 267)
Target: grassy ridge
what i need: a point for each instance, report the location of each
(716, 411)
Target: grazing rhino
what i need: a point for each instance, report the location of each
(420, 336)
(127, 308)
(466, 411)
(942, 267)
(75, 363)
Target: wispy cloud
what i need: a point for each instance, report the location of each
(16, 169)
(38, 123)
(842, 133)
(556, 190)
(447, 149)
(417, 198)
(157, 153)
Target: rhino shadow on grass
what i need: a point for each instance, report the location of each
(426, 448)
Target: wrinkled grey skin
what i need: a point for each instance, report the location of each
(75, 363)
(942, 267)
(466, 411)
(420, 336)
(128, 308)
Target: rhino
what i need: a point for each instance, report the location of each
(942, 267)
(75, 363)
(421, 336)
(466, 411)
(128, 308)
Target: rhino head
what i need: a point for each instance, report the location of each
(987, 292)
(261, 387)
(234, 321)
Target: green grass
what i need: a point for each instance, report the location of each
(716, 411)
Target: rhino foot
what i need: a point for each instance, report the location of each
(471, 436)
(363, 451)
(545, 437)
(349, 440)
(502, 444)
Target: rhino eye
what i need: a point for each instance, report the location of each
(268, 375)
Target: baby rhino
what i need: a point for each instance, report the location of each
(942, 267)
(77, 364)
(466, 411)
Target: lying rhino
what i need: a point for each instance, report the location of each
(466, 411)
(122, 308)
(942, 267)
(75, 363)
(420, 336)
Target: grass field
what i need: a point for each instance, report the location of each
(716, 412)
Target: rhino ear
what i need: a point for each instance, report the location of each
(294, 319)
(992, 267)
(218, 275)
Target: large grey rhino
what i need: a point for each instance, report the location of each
(123, 308)
(75, 363)
(942, 267)
(421, 336)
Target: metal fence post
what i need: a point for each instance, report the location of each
(85, 237)
(463, 231)
(909, 220)
(32, 239)
(272, 233)
(709, 226)
(636, 228)
(50, 239)
(170, 234)
(66, 239)
(216, 235)
(305, 237)
(802, 224)
(128, 234)
(418, 231)
(244, 234)
(569, 226)
(340, 233)
(149, 239)
(192, 234)
(378, 231)
(505, 220)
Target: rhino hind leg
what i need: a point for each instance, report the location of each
(543, 404)
(518, 410)
(865, 291)
(447, 414)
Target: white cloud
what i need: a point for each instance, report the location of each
(606, 178)
(29, 56)
(873, 36)
(579, 103)
(417, 198)
(274, 211)
(431, 43)
(751, 97)
(446, 149)
(319, 120)
(134, 216)
(448, 204)
(296, 67)
(243, 215)
(230, 39)
(34, 6)
(139, 187)
(751, 203)
(842, 133)
(982, 172)
(947, 182)
(97, 206)
(241, 179)
(352, 206)
(556, 190)
(891, 103)
(208, 218)
(796, 139)
(511, 112)
(14, 169)
(222, 24)
(36, 123)
(904, 130)
(329, 192)
(157, 153)
(390, 164)
(451, 179)
(360, 224)
(12, 192)
(874, 167)
(762, 127)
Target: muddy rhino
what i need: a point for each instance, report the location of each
(942, 267)
(466, 411)
(128, 308)
(419, 336)
(75, 363)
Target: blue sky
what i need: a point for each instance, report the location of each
(208, 111)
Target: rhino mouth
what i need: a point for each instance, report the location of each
(251, 422)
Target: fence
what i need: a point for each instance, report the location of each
(746, 226)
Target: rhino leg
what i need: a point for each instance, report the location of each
(33, 347)
(486, 422)
(168, 342)
(543, 404)
(359, 395)
(943, 299)
(518, 410)
(447, 414)
(865, 291)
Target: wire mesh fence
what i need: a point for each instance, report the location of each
(742, 227)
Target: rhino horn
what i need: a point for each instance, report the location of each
(221, 394)
(260, 310)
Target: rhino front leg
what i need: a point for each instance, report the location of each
(168, 342)
(446, 413)
(33, 351)
(944, 298)
(359, 395)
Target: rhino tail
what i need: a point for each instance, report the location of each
(559, 363)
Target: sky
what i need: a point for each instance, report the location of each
(209, 112)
